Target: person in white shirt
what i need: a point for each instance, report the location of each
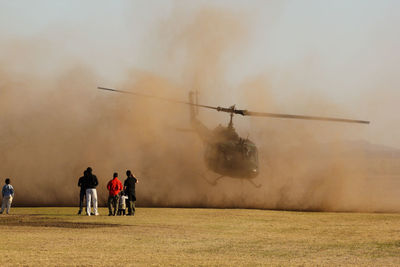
(122, 204)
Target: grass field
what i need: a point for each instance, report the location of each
(198, 237)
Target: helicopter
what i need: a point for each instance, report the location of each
(226, 153)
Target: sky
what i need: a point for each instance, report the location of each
(345, 51)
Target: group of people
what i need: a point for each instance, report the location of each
(120, 196)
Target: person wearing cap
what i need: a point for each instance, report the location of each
(129, 188)
(114, 186)
(91, 193)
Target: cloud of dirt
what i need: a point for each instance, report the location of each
(53, 128)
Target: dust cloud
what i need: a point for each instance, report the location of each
(54, 126)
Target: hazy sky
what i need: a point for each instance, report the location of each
(346, 50)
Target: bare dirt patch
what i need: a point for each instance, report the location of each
(39, 221)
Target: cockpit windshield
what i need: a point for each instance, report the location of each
(251, 153)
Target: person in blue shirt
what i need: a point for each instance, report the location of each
(8, 195)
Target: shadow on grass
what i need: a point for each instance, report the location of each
(38, 221)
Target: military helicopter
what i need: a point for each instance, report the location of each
(226, 153)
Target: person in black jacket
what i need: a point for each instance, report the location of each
(91, 183)
(129, 187)
(82, 194)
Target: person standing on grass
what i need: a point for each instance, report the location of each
(91, 193)
(114, 187)
(8, 195)
(122, 204)
(82, 193)
(129, 188)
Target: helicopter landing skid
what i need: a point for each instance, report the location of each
(212, 182)
(253, 183)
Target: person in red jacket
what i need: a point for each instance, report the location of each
(113, 186)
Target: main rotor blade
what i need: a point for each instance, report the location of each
(156, 97)
(302, 117)
(242, 112)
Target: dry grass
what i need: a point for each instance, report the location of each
(198, 237)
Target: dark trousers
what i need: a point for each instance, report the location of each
(130, 202)
(121, 212)
(82, 195)
(112, 203)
